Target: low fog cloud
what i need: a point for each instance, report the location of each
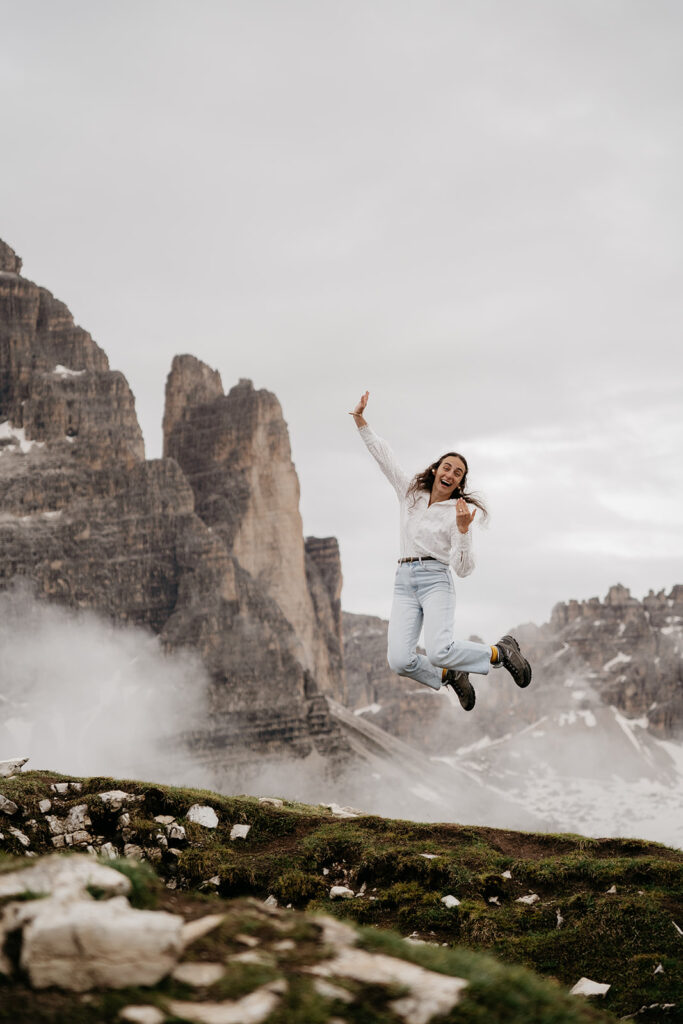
(84, 696)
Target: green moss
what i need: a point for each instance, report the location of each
(298, 887)
(144, 894)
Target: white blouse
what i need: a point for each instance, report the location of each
(425, 529)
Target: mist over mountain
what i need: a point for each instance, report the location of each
(167, 619)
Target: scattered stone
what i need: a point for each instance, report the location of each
(239, 831)
(142, 1015)
(194, 930)
(329, 991)
(109, 851)
(199, 975)
(247, 940)
(326, 871)
(586, 987)
(251, 1009)
(341, 892)
(361, 891)
(123, 820)
(495, 900)
(450, 901)
(172, 884)
(115, 799)
(414, 937)
(202, 815)
(430, 994)
(211, 883)
(679, 930)
(44, 806)
(12, 766)
(76, 820)
(531, 898)
(429, 856)
(176, 833)
(82, 945)
(612, 890)
(66, 877)
(133, 851)
(18, 834)
(335, 933)
(252, 956)
(342, 812)
(7, 807)
(60, 787)
(560, 919)
(164, 819)
(76, 786)
(284, 946)
(271, 801)
(506, 874)
(659, 969)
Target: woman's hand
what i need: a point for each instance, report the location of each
(463, 517)
(360, 409)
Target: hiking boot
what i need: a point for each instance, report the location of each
(460, 682)
(513, 660)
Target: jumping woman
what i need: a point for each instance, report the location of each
(435, 535)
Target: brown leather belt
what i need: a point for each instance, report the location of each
(419, 558)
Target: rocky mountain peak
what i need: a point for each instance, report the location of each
(189, 383)
(10, 263)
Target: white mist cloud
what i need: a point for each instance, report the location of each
(83, 696)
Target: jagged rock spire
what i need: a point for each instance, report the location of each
(10, 263)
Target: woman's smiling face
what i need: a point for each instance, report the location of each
(450, 473)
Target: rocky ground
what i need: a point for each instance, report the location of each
(209, 916)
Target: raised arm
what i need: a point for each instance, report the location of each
(380, 450)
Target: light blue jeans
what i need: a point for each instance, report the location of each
(424, 594)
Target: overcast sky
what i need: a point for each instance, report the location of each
(472, 209)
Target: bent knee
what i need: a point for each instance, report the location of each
(439, 655)
(401, 663)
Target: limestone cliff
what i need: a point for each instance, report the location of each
(92, 524)
(235, 452)
(628, 653)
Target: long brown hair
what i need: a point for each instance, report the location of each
(425, 481)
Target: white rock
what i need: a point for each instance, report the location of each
(560, 919)
(199, 975)
(123, 820)
(341, 892)
(343, 812)
(18, 834)
(7, 806)
(329, 991)
(495, 900)
(326, 871)
(202, 815)
(586, 987)
(679, 930)
(429, 856)
(239, 831)
(271, 801)
(109, 851)
(60, 787)
(246, 940)
(506, 874)
(176, 832)
(429, 993)
(44, 806)
(10, 767)
(450, 901)
(251, 1009)
(115, 799)
(64, 876)
(76, 820)
(142, 1015)
(133, 851)
(659, 969)
(270, 901)
(164, 819)
(336, 933)
(194, 930)
(285, 946)
(531, 898)
(612, 889)
(100, 944)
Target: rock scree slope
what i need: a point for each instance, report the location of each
(487, 911)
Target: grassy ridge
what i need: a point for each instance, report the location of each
(576, 928)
